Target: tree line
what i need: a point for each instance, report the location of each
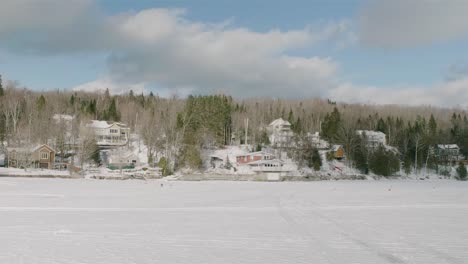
(178, 129)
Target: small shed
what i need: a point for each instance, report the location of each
(338, 152)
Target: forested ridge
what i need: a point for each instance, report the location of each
(181, 127)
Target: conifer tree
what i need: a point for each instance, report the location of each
(462, 174)
(2, 91)
(331, 125)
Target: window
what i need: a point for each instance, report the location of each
(44, 155)
(114, 131)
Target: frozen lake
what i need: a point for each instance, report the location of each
(92, 221)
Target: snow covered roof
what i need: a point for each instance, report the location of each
(98, 124)
(256, 153)
(370, 133)
(448, 146)
(104, 124)
(59, 117)
(279, 122)
(336, 147)
(29, 149)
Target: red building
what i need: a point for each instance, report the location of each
(253, 156)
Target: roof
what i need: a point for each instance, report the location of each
(103, 124)
(259, 162)
(370, 133)
(256, 153)
(336, 147)
(448, 146)
(30, 149)
(59, 117)
(98, 124)
(280, 122)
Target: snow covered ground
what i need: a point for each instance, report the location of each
(92, 221)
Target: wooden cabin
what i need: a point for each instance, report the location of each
(41, 156)
(338, 152)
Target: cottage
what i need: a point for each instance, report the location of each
(109, 134)
(41, 156)
(122, 159)
(338, 152)
(280, 133)
(253, 156)
(448, 152)
(317, 141)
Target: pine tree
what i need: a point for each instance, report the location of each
(107, 94)
(432, 126)
(462, 174)
(331, 125)
(384, 162)
(163, 164)
(95, 154)
(40, 103)
(112, 113)
(315, 160)
(2, 91)
(72, 99)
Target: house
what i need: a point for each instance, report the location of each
(109, 134)
(273, 169)
(262, 166)
(338, 152)
(253, 156)
(448, 152)
(317, 141)
(217, 162)
(121, 159)
(280, 133)
(41, 156)
(373, 138)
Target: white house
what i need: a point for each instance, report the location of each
(373, 138)
(317, 141)
(280, 133)
(109, 134)
(122, 158)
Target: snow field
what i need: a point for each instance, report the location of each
(92, 221)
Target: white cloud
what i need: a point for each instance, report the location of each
(403, 23)
(160, 46)
(447, 94)
(101, 85)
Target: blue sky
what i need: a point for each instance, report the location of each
(378, 51)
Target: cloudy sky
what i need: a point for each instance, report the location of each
(371, 51)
